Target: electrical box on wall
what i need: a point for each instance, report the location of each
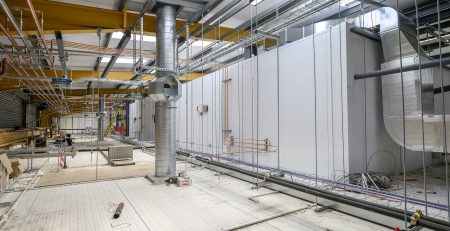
(202, 108)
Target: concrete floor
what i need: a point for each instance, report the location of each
(211, 203)
(81, 169)
(81, 197)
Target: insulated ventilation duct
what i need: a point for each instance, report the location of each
(400, 48)
(165, 90)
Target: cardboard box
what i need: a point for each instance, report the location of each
(5, 170)
(16, 167)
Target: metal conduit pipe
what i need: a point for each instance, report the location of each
(14, 23)
(40, 33)
(425, 221)
(165, 90)
(405, 68)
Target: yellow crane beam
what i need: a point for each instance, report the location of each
(72, 18)
(112, 75)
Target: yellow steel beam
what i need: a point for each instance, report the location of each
(9, 88)
(190, 77)
(14, 84)
(74, 18)
(112, 75)
(80, 74)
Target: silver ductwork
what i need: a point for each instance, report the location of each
(399, 32)
(165, 90)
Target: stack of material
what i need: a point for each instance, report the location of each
(120, 155)
(16, 167)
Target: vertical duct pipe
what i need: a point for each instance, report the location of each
(165, 90)
(101, 116)
(165, 38)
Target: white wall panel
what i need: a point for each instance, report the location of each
(317, 97)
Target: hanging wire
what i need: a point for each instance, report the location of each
(365, 90)
(315, 100)
(252, 95)
(342, 89)
(257, 99)
(214, 117)
(192, 115)
(402, 149)
(99, 131)
(203, 89)
(422, 122)
(186, 85)
(332, 101)
(443, 104)
(240, 98)
(278, 98)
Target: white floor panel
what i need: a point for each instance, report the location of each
(211, 203)
(75, 207)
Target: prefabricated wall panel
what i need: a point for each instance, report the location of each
(142, 125)
(135, 119)
(303, 99)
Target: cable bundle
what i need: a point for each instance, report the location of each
(375, 180)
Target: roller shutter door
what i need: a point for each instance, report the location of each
(10, 110)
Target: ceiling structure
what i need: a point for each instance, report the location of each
(94, 39)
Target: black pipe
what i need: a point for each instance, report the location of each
(118, 210)
(439, 90)
(405, 68)
(425, 221)
(186, 154)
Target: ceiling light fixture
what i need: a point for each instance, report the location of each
(346, 2)
(256, 2)
(120, 60)
(200, 43)
(145, 38)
